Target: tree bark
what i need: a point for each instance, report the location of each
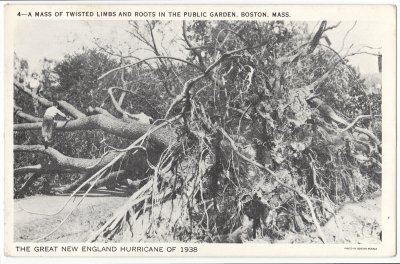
(64, 163)
(160, 139)
(328, 112)
(99, 110)
(27, 117)
(43, 101)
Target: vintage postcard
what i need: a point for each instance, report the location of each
(200, 130)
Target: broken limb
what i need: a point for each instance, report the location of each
(327, 111)
(99, 110)
(118, 105)
(161, 138)
(65, 162)
(27, 117)
(357, 119)
(70, 109)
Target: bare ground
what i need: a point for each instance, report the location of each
(356, 223)
(86, 218)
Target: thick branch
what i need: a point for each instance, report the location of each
(99, 110)
(301, 51)
(42, 169)
(27, 169)
(185, 92)
(357, 119)
(328, 111)
(26, 116)
(66, 106)
(64, 162)
(125, 115)
(115, 176)
(107, 179)
(71, 109)
(42, 100)
(317, 36)
(161, 138)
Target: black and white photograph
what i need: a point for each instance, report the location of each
(262, 131)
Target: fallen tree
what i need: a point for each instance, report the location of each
(251, 117)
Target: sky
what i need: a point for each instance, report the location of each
(367, 33)
(36, 40)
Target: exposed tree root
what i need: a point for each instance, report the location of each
(302, 195)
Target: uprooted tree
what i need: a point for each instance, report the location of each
(262, 119)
